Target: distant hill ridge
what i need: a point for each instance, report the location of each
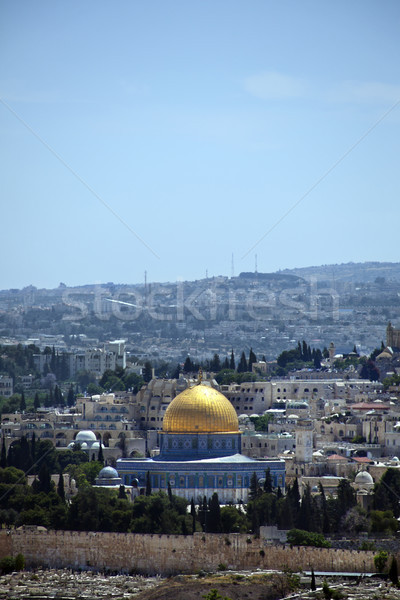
(356, 272)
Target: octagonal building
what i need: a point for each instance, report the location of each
(200, 452)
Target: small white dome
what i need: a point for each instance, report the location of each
(85, 436)
(364, 478)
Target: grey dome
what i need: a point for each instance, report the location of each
(363, 478)
(108, 473)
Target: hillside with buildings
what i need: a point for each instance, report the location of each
(350, 304)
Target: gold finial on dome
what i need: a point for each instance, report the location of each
(200, 376)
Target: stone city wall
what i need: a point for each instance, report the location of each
(170, 554)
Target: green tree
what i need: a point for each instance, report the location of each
(19, 562)
(242, 366)
(324, 509)
(380, 560)
(393, 572)
(299, 537)
(252, 360)
(3, 455)
(147, 371)
(346, 497)
(255, 489)
(36, 402)
(22, 405)
(100, 456)
(387, 492)
(44, 479)
(308, 518)
(215, 364)
(268, 482)
(383, 522)
(122, 493)
(148, 484)
(232, 364)
(313, 586)
(60, 487)
(193, 514)
(214, 524)
(215, 595)
(71, 397)
(233, 520)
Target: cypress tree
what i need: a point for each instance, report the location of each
(60, 487)
(36, 402)
(3, 456)
(393, 572)
(254, 487)
(214, 524)
(169, 492)
(22, 405)
(295, 494)
(252, 359)
(268, 482)
(225, 364)
(305, 517)
(232, 364)
(242, 366)
(44, 479)
(188, 366)
(215, 364)
(100, 456)
(71, 396)
(25, 454)
(33, 447)
(324, 510)
(193, 513)
(148, 484)
(147, 371)
(313, 584)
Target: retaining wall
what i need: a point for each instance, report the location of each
(169, 554)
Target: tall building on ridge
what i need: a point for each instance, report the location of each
(200, 452)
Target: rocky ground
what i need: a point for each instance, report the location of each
(68, 585)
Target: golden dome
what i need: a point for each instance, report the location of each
(200, 409)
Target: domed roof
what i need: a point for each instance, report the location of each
(363, 478)
(108, 473)
(200, 409)
(85, 436)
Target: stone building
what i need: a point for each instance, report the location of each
(392, 337)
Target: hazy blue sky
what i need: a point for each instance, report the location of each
(200, 124)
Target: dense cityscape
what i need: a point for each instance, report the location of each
(85, 425)
(199, 300)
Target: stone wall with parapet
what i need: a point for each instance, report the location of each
(170, 554)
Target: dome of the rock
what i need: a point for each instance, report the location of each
(200, 409)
